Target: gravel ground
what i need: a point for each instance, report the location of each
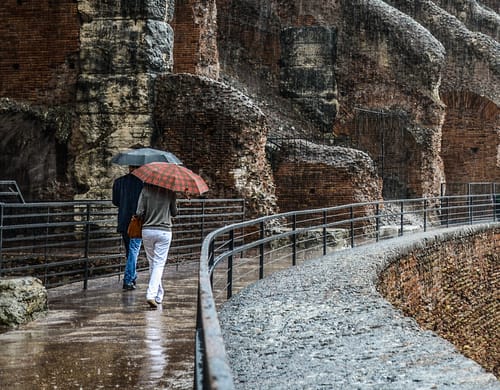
(323, 325)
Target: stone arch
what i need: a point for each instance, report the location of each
(33, 155)
(470, 138)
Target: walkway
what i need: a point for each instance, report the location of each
(323, 325)
(107, 338)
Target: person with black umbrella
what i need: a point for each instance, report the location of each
(126, 191)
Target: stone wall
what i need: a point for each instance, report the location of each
(471, 139)
(219, 133)
(451, 288)
(415, 87)
(373, 72)
(124, 46)
(311, 176)
(469, 87)
(307, 74)
(39, 51)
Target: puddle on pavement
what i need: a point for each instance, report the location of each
(104, 338)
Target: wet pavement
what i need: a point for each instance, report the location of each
(105, 337)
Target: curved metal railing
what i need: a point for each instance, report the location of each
(73, 241)
(237, 255)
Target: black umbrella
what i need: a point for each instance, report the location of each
(138, 157)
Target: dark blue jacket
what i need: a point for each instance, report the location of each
(126, 191)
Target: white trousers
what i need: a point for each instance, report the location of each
(156, 245)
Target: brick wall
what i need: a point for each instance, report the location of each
(307, 176)
(195, 38)
(471, 139)
(219, 133)
(452, 288)
(39, 50)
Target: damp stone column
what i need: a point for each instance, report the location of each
(125, 45)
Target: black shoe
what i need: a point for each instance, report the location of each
(128, 287)
(152, 303)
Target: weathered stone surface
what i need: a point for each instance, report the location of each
(122, 94)
(307, 72)
(220, 133)
(412, 84)
(125, 46)
(21, 300)
(132, 9)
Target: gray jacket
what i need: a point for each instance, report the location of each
(157, 206)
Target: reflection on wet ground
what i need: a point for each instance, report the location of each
(105, 337)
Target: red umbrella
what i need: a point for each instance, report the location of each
(171, 176)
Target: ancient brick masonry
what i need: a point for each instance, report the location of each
(311, 176)
(39, 51)
(195, 38)
(218, 132)
(453, 289)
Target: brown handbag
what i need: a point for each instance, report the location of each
(135, 227)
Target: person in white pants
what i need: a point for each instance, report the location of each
(156, 245)
(156, 206)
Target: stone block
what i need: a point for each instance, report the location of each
(21, 300)
(125, 46)
(115, 94)
(335, 238)
(389, 231)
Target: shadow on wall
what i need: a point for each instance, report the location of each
(33, 157)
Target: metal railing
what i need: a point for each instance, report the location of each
(234, 256)
(66, 242)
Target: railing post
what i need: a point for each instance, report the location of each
(470, 209)
(377, 222)
(294, 240)
(425, 215)
(1, 237)
(261, 251)
(401, 218)
(211, 257)
(230, 266)
(87, 248)
(447, 205)
(202, 219)
(496, 205)
(324, 232)
(351, 211)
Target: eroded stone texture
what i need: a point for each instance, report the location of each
(220, 133)
(21, 300)
(124, 46)
(469, 87)
(383, 61)
(413, 84)
(311, 176)
(307, 72)
(477, 16)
